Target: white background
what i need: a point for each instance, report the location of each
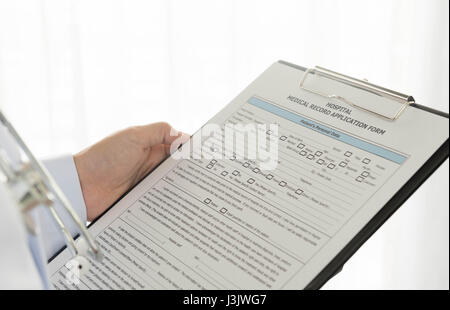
(72, 72)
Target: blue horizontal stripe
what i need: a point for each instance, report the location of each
(332, 133)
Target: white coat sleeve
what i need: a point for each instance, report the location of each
(64, 172)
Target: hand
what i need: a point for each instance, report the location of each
(110, 167)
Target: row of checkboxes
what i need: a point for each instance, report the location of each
(211, 164)
(237, 173)
(255, 170)
(361, 177)
(330, 165)
(281, 183)
(252, 180)
(268, 176)
(208, 201)
(365, 160)
(225, 210)
(317, 153)
(320, 161)
(282, 138)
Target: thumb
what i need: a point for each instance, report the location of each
(157, 133)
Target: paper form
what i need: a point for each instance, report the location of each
(228, 224)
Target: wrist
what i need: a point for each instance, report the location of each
(83, 180)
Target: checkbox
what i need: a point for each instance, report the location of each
(343, 164)
(224, 173)
(299, 191)
(282, 184)
(301, 145)
(207, 200)
(269, 177)
(318, 153)
(320, 161)
(331, 166)
(303, 153)
(365, 174)
(283, 138)
(348, 154)
(256, 170)
(359, 179)
(246, 165)
(310, 156)
(235, 173)
(209, 166)
(366, 161)
(223, 210)
(251, 181)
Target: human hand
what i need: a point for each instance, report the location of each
(110, 167)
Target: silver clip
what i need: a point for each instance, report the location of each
(405, 100)
(43, 189)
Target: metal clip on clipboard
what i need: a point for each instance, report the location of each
(31, 185)
(404, 100)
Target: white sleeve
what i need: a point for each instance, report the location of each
(64, 172)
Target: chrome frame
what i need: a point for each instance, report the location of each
(43, 190)
(405, 100)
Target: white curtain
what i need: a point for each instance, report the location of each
(72, 72)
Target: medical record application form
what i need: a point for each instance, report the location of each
(202, 223)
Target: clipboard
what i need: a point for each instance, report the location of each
(405, 101)
(402, 102)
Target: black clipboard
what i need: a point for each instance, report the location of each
(421, 175)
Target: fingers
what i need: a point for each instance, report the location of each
(157, 133)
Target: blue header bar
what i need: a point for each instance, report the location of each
(332, 133)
